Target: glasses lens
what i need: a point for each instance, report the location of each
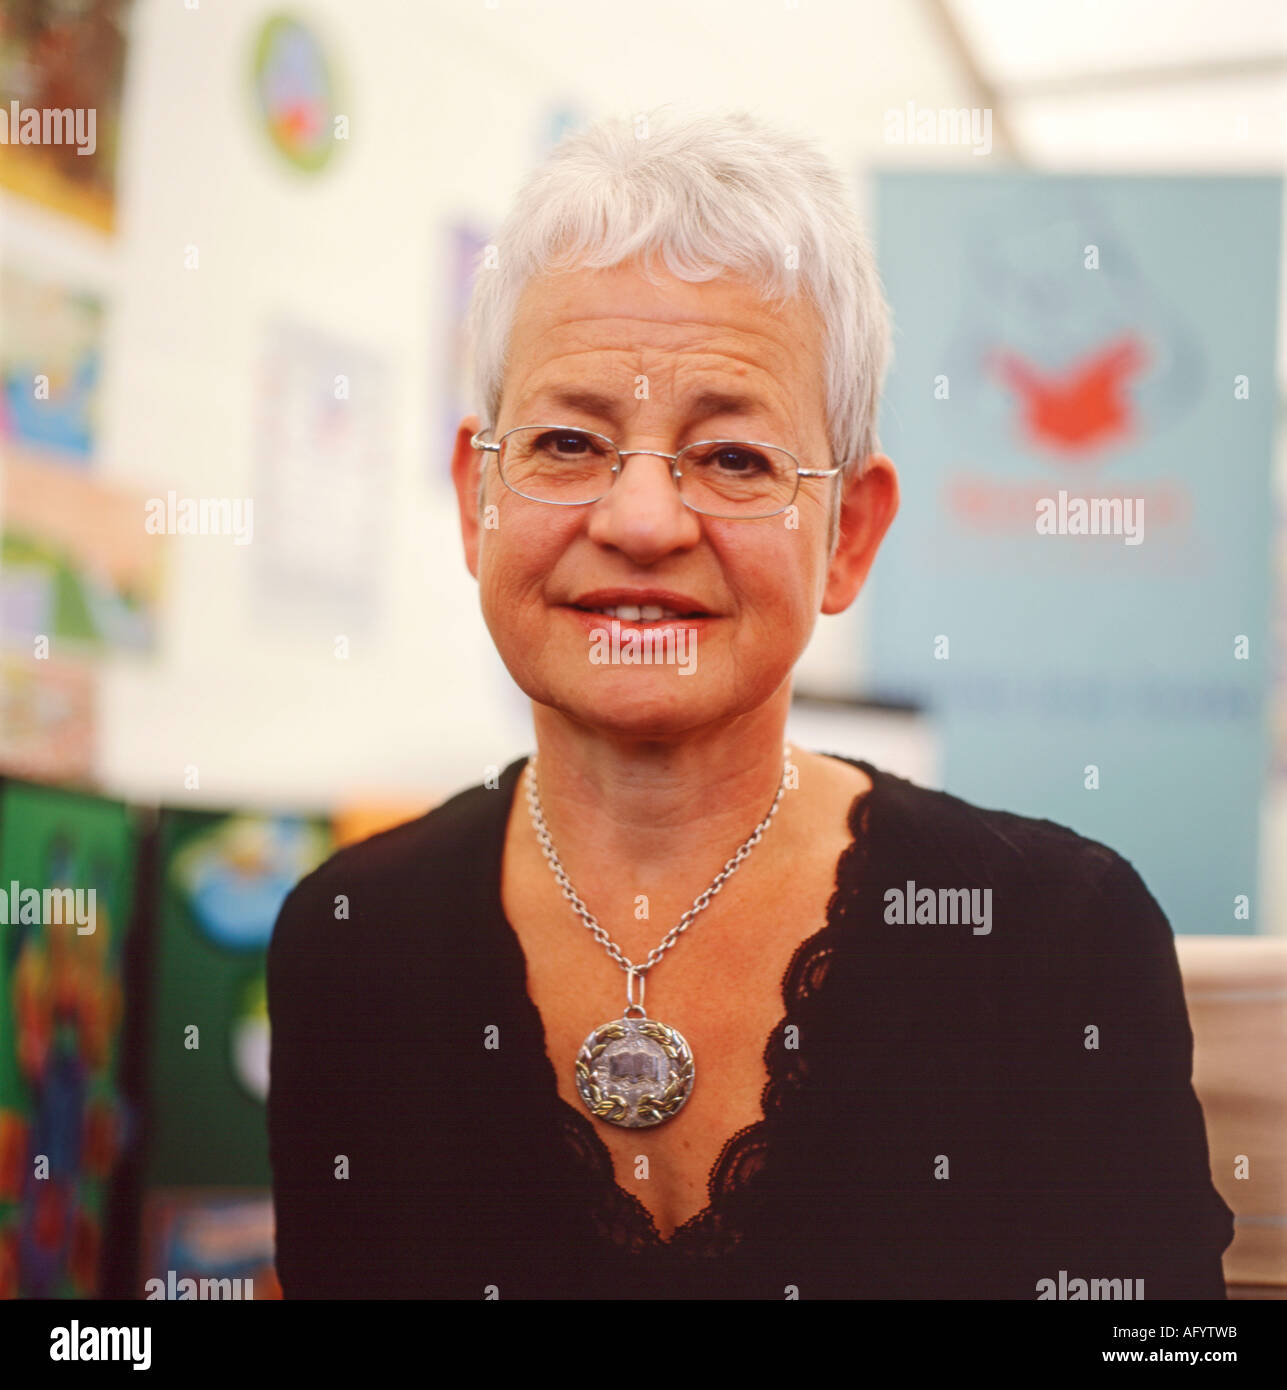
(730, 479)
(557, 465)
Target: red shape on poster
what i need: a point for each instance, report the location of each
(99, 1139)
(13, 1148)
(1083, 406)
(9, 1263)
(83, 1265)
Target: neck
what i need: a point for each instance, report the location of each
(660, 811)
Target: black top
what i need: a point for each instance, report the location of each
(964, 1114)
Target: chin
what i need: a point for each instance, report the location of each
(667, 704)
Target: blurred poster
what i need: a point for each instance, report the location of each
(222, 1238)
(1077, 586)
(50, 368)
(321, 483)
(60, 1015)
(465, 248)
(222, 881)
(46, 720)
(61, 69)
(76, 565)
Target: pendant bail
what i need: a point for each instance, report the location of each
(631, 975)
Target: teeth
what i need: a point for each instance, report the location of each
(634, 613)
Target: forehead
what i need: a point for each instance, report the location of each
(698, 340)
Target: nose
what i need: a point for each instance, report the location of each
(642, 514)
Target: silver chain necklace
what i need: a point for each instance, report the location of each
(635, 1071)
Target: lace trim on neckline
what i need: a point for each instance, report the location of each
(618, 1215)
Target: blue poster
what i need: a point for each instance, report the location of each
(1077, 586)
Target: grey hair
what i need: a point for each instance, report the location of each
(708, 193)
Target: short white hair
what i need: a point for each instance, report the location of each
(706, 194)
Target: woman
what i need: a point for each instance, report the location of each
(663, 1012)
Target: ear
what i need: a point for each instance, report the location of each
(466, 465)
(868, 506)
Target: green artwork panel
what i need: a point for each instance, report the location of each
(62, 1123)
(221, 880)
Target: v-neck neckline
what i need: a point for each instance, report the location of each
(858, 806)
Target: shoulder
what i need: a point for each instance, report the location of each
(411, 874)
(957, 833)
(1052, 888)
(1070, 913)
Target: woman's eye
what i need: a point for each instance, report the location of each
(566, 444)
(738, 460)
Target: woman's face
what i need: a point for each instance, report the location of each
(655, 366)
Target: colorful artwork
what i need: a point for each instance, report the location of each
(235, 877)
(61, 70)
(46, 720)
(223, 879)
(295, 93)
(62, 1124)
(50, 365)
(76, 565)
(212, 1235)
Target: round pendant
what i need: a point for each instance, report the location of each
(634, 1072)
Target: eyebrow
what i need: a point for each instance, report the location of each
(604, 407)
